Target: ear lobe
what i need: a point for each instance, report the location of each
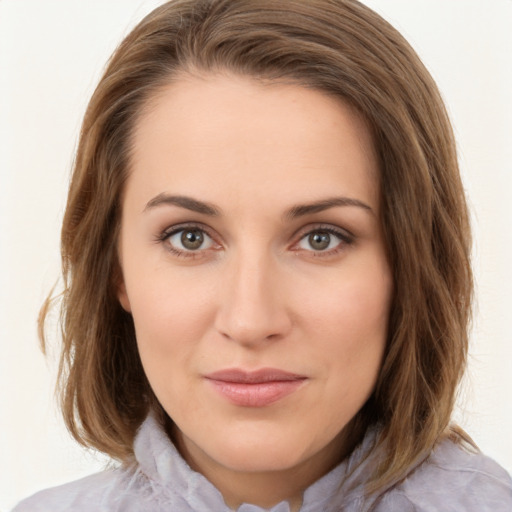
(122, 296)
(118, 284)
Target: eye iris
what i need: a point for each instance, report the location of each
(192, 239)
(319, 241)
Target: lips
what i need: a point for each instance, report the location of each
(256, 388)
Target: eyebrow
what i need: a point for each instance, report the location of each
(294, 212)
(183, 202)
(325, 204)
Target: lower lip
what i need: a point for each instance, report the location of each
(256, 394)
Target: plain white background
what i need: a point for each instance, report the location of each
(51, 56)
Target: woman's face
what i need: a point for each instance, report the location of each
(255, 270)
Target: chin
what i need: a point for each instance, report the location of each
(261, 448)
(261, 458)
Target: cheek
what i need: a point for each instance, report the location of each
(349, 320)
(351, 306)
(165, 337)
(172, 311)
(167, 302)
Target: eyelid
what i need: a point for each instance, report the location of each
(167, 233)
(346, 238)
(322, 226)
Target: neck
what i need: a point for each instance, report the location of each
(264, 488)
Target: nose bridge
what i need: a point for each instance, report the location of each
(252, 305)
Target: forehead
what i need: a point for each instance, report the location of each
(199, 131)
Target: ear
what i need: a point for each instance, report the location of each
(117, 280)
(122, 296)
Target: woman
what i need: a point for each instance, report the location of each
(266, 259)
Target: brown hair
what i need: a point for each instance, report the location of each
(339, 47)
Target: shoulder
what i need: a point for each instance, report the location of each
(86, 494)
(454, 479)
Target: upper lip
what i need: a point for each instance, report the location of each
(262, 375)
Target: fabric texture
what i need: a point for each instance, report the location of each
(449, 480)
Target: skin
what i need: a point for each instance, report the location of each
(258, 291)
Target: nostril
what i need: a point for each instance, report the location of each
(252, 307)
(260, 329)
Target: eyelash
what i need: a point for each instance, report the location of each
(165, 236)
(345, 239)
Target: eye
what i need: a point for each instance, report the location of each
(323, 240)
(189, 240)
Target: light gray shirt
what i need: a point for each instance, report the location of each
(449, 480)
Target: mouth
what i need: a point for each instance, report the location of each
(254, 388)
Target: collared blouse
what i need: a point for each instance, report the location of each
(450, 479)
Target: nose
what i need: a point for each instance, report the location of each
(253, 304)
